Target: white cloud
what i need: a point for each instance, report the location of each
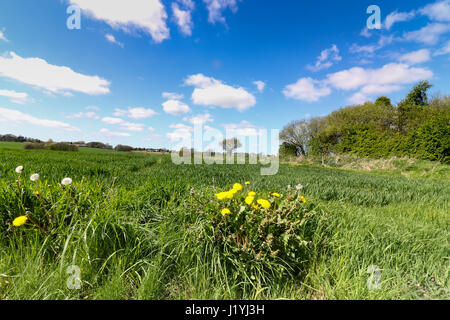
(182, 132)
(135, 113)
(93, 108)
(365, 33)
(175, 107)
(151, 129)
(444, 50)
(14, 96)
(113, 134)
(396, 16)
(113, 40)
(415, 57)
(392, 73)
(212, 92)
(324, 61)
(172, 96)
(216, 7)
(260, 85)
(148, 16)
(3, 37)
(56, 79)
(199, 119)
(243, 129)
(439, 11)
(124, 125)
(80, 115)
(306, 89)
(183, 19)
(9, 115)
(430, 34)
(371, 48)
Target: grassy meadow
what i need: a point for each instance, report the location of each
(140, 227)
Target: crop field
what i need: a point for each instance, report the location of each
(137, 226)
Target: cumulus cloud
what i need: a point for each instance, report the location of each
(172, 96)
(260, 85)
(415, 57)
(175, 107)
(55, 79)
(242, 129)
(113, 134)
(383, 80)
(326, 58)
(199, 119)
(14, 96)
(212, 92)
(306, 89)
(17, 117)
(396, 16)
(81, 115)
(148, 16)
(183, 18)
(135, 113)
(124, 125)
(430, 34)
(439, 11)
(371, 48)
(110, 38)
(182, 132)
(216, 8)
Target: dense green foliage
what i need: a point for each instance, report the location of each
(133, 225)
(416, 127)
(56, 146)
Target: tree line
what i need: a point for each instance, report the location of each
(417, 127)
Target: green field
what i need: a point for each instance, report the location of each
(135, 225)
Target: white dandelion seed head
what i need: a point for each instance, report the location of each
(19, 169)
(299, 187)
(34, 177)
(66, 181)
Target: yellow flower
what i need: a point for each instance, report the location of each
(264, 203)
(237, 186)
(247, 183)
(255, 207)
(229, 195)
(249, 200)
(20, 221)
(221, 195)
(225, 212)
(302, 198)
(36, 193)
(233, 191)
(252, 193)
(275, 194)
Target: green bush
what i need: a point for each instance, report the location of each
(62, 146)
(123, 148)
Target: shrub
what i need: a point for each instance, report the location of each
(31, 146)
(62, 146)
(123, 148)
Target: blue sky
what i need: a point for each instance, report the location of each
(142, 72)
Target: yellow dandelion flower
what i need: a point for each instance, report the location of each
(255, 207)
(247, 183)
(19, 221)
(237, 186)
(225, 212)
(302, 198)
(233, 191)
(264, 203)
(37, 193)
(276, 194)
(249, 200)
(252, 193)
(221, 195)
(229, 195)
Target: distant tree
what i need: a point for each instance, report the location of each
(418, 95)
(229, 145)
(123, 148)
(296, 134)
